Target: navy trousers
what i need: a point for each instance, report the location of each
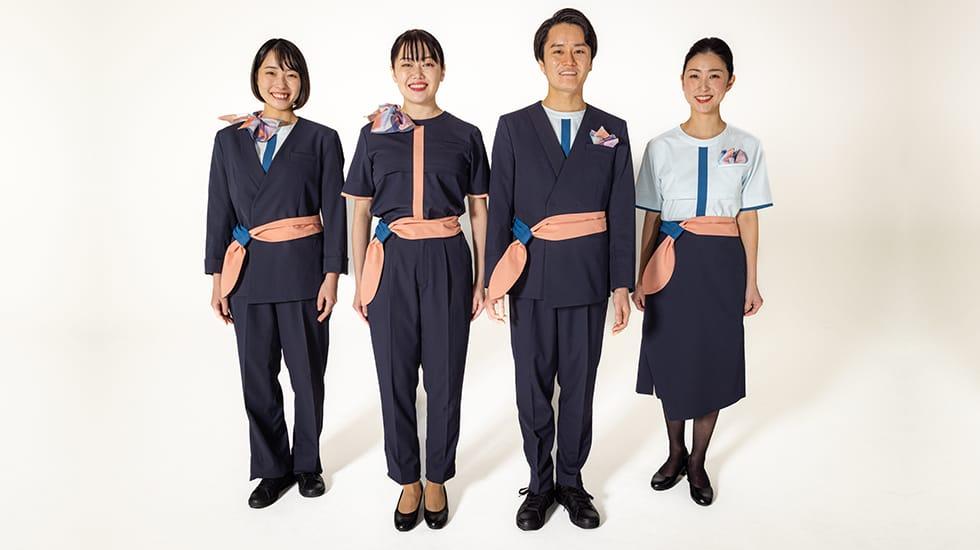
(266, 333)
(566, 343)
(421, 316)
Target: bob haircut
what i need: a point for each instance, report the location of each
(290, 58)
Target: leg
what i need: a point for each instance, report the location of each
(534, 339)
(580, 331)
(704, 426)
(304, 345)
(677, 458)
(259, 355)
(394, 319)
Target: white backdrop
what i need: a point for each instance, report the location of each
(121, 404)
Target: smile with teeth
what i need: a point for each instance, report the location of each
(280, 96)
(703, 98)
(418, 86)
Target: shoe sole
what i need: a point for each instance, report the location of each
(671, 486)
(313, 494)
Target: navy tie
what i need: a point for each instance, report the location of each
(270, 149)
(566, 135)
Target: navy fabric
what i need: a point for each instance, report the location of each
(303, 180)
(267, 333)
(549, 343)
(421, 316)
(532, 180)
(692, 353)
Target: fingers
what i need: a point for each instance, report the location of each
(622, 319)
(638, 300)
(326, 308)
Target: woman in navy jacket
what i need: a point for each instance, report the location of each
(276, 244)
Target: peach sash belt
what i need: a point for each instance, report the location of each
(553, 228)
(406, 228)
(286, 229)
(660, 268)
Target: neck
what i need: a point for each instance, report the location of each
(288, 117)
(560, 100)
(421, 111)
(704, 125)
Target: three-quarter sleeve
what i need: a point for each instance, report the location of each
(755, 185)
(649, 195)
(360, 178)
(333, 209)
(221, 219)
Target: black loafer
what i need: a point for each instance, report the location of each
(437, 520)
(579, 506)
(310, 484)
(660, 482)
(407, 522)
(533, 512)
(269, 490)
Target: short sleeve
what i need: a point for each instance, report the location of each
(360, 182)
(478, 184)
(648, 193)
(755, 186)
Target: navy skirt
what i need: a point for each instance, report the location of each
(693, 349)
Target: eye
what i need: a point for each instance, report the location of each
(579, 52)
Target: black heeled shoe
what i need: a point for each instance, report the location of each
(660, 482)
(437, 520)
(703, 496)
(407, 522)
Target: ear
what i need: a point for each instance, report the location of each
(541, 66)
(443, 75)
(393, 77)
(731, 82)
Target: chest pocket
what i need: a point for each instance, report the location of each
(725, 180)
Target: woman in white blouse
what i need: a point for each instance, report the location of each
(701, 185)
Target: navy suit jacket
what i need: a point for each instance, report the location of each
(304, 179)
(530, 178)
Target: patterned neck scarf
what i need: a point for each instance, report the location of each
(390, 119)
(261, 128)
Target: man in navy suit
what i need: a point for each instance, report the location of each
(561, 235)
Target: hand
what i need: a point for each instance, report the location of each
(219, 304)
(753, 300)
(326, 298)
(639, 297)
(621, 307)
(493, 313)
(358, 307)
(479, 299)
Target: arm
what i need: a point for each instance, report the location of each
(333, 211)
(478, 225)
(620, 218)
(360, 236)
(220, 222)
(748, 229)
(651, 227)
(501, 211)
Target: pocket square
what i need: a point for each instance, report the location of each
(733, 156)
(604, 138)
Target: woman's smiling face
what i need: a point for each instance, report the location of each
(417, 79)
(279, 86)
(705, 82)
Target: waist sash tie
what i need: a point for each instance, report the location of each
(406, 228)
(552, 228)
(286, 229)
(660, 268)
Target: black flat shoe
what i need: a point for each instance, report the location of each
(269, 490)
(310, 484)
(579, 506)
(407, 522)
(437, 520)
(701, 495)
(533, 512)
(660, 482)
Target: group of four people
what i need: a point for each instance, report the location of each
(558, 238)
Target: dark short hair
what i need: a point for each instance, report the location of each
(569, 16)
(290, 58)
(716, 46)
(416, 42)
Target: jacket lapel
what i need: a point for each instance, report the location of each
(546, 135)
(253, 166)
(579, 144)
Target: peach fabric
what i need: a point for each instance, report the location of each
(418, 170)
(553, 228)
(406, 228)
(660, 268)
(285, 229)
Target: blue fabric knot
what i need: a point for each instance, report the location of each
(382, 232)
(241, 235)
(521, 231)
(673, 229)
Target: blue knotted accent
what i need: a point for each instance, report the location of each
(673, 229)
(382, 231)
(521, 231)
(241, 235)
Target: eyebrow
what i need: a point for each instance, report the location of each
(559, 44)
(709, 70)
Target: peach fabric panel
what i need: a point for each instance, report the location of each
(660, 268)
(286, 229)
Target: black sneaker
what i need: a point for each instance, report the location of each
(310, 484)
(534, 510)
(269, 490)
(579, 506)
